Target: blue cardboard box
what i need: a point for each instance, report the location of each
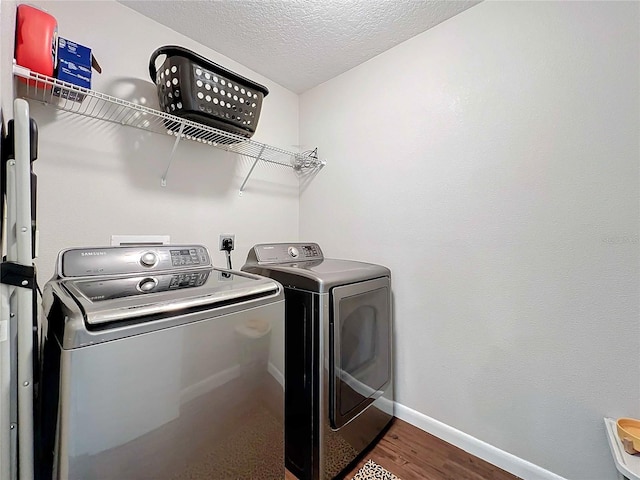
(74, 52)
(74, 73)
(74, 63)
(74, 66)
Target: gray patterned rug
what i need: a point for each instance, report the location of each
(372, 471)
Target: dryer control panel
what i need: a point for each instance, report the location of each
(82, 262)
(287, 252)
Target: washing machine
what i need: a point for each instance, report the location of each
(157, 365)
(338, 354)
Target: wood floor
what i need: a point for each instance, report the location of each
(412, 454)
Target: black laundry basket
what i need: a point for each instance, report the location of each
(192, 87)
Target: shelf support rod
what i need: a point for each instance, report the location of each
(257, 159)
(163, 182)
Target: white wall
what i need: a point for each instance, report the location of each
(98, 179)
(492, 164)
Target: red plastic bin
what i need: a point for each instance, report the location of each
(36, 34)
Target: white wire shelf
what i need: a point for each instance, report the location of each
(71, 98)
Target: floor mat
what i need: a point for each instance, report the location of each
(372, 471)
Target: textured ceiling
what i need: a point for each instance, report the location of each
(300, 43)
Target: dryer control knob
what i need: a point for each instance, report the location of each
(147, 284)
(293, 251)
(148, 259)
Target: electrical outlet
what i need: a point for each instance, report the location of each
(225, 239)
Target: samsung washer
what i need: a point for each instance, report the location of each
(158, 366)
(338, 354)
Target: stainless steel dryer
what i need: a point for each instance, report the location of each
(338, 354)
(158, 366)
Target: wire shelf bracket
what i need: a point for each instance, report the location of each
(255, 162)
(89, 103)
(163, 182)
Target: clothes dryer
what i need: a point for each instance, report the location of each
(338, 354)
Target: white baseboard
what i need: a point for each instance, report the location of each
(275, 373)
(506, 461)
(218, 379)
(205, 386)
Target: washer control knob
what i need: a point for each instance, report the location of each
(147, 284)
(148, 259)
(293, 251)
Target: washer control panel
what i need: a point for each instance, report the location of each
(114, 288)
(189, 256)
(80, 262)
(287, 252)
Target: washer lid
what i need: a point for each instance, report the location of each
(319, 275)
(155, 295)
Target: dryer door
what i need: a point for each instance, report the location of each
(360, 347)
